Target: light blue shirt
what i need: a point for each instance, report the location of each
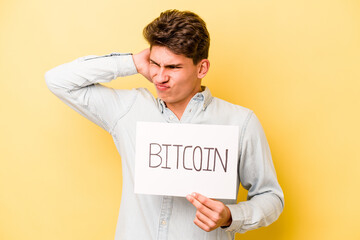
(117, 111)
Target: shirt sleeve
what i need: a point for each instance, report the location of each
(77, 83)
(265, 199)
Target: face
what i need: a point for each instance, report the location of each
(176, 78)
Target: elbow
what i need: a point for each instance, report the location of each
(50, 80)
(54, 81)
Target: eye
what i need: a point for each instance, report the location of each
(153, 63)
(174, 67)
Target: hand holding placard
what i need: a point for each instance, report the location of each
(210, 214)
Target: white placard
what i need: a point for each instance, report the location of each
(178, 159)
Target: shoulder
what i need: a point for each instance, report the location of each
(139, 97)
(135, 92)
(232, 112)
(230, 106)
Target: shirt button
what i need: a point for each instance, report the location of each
(163, 222)
(190, 110)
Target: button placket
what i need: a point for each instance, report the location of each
(166, 210)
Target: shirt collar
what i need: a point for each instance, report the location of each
(204, 96)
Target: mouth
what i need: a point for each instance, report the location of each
(162, 87)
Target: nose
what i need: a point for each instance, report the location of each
(162, 76)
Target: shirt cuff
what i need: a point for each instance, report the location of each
(125, 64)
(238, 215)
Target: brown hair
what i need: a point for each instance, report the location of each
(183, 32)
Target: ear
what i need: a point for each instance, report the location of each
(203, 68)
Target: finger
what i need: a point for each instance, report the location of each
(207, 221)
(202, 225)
(210, 203)
(199, 206)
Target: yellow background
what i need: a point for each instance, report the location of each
(295, 63)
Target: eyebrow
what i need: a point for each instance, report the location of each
(167, 66)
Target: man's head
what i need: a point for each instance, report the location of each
(182, 32)
(179, 46)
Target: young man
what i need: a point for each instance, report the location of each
(175, 63)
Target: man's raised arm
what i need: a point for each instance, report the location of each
(77, 84)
